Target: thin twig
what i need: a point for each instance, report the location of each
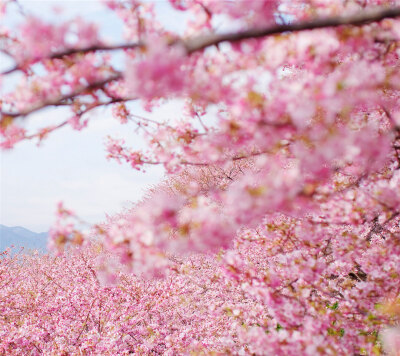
(85, 323)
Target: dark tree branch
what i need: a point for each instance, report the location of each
(201, 43)
(42, 133)
(196, 44)
(379, 228)
(72, 51)
(60, 98)
(95, 48)
(204, 164)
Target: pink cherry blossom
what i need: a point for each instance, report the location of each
(276, 228)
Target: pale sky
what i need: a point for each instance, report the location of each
(70, 166)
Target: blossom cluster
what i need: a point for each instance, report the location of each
(280, 209)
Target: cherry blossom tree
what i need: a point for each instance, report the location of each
(282, 175)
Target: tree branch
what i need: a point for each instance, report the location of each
(379, 228)
(201, 43)
(85, 322)
(44, 132)
(196, 44)
(58, 99)
(72, 51)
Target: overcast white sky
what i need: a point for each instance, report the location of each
(70, 166)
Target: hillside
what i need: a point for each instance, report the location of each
(18, 237)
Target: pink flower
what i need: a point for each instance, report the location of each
(160, 72)
(40, 38)
(391, 341)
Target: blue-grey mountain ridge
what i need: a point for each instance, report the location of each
(20, 237)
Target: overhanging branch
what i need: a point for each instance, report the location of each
(200, 43)
(196, 44)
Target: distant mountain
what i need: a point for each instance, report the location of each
(21, 237)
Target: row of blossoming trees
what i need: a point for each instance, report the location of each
(276, 230)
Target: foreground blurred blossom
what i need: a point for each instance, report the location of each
(391, 341)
